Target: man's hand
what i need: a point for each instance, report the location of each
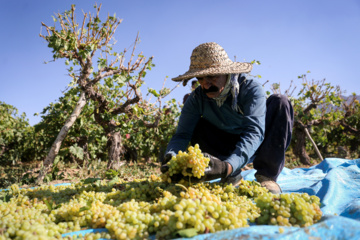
(164, 167)
(216, 168)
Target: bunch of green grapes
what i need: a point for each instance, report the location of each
(202, 207)
(191, 163)
(24, 218)
(294, 209)
(251, 189)
(227, 193)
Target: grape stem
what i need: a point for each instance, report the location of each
(182, 186)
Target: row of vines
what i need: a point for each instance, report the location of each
(332, 121)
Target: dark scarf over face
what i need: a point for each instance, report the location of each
(232, 85)
(211, 89)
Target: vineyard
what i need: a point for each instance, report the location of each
(104, 138)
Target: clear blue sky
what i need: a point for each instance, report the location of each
(287, 37)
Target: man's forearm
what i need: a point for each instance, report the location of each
(230, 169)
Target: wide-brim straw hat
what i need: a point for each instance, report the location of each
(211, 59)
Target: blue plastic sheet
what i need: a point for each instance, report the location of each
(331, 228)
(58, 184)
(83, 232)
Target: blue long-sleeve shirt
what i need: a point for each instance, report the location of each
(250, 124)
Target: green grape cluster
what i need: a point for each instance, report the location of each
(144, 208)
(290, 209)
(201, 208)
(191, 163)
(251, 189)
(25, 218)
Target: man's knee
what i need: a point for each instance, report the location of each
(279, 107)
(279, 99)
(279, 102)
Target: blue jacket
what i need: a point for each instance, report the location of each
(250, 125)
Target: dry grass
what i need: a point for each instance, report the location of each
(25, 174)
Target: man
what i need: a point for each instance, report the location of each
(231, 120)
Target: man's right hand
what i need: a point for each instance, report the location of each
(164, 167)
(216, 169)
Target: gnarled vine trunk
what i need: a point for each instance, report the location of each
(300, 145)
(54, 150)
(83, 143)
(115, 150)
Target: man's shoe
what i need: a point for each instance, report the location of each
(268, 183)
(235, 181)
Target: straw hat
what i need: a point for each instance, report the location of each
(211, 59)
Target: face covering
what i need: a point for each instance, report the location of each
(211, 89)
(232, 85)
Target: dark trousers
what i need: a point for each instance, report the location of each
(269, 158)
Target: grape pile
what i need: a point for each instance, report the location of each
(191, 163)
(299, 210)
(145, 208)
(148, 207)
